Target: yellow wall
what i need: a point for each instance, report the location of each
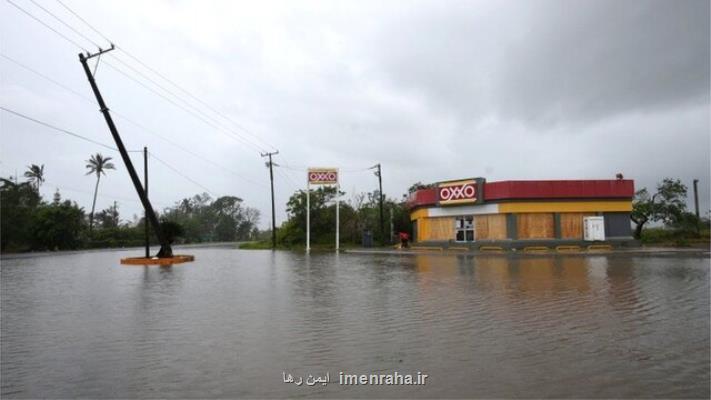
(435, 228)
(490, 227)
(571, 225)
(421, 213)
(566, 206)
(535, 226)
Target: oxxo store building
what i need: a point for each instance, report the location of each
(517, 214)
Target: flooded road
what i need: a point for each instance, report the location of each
(237, 323)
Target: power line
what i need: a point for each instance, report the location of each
(197, 114)
(83, 20)
(109, 147)
(46, 25)
(214, 110)
(48, 125)
(61, 85)
(65, 24)
(162, 76)
(181, 174)
(164, 97)
(288, 179)
(101, 144)
(213, 122)
(302, 168)
(84, 191)
(100, 194)
(129, 120)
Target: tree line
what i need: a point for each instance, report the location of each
(359, 218)
(30, 223)
(666, 206)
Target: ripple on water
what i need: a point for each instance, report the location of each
(228, 324)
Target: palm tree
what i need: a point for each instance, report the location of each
(35, 173)
(98, 165)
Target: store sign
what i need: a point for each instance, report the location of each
(457, 192)
(323, 176)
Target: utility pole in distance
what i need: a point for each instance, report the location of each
(271, 178)
(379, 174)
(696, 197)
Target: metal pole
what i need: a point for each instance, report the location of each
(308, 218)
(145, 215)
(696, 197)
(338, 190)
(382, 223)
(165, 249)
(271, 178)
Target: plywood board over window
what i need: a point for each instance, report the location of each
(491, 227)
(571, 225)
(535, 226)
(437, 229)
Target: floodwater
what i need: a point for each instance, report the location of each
(239, 323)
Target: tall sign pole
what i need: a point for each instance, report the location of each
(271, 178)
(321, 176)
(338, 195)
(165, 249)
(308, 216)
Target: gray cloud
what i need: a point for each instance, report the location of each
(432, 90)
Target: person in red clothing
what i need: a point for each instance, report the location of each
(404, 239)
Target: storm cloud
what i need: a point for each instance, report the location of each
(431, 90)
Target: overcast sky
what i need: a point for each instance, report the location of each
(431, 90)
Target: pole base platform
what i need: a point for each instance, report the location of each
(176, 259)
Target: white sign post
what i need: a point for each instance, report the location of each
(308, 217)
(321, 176)
(338, 195)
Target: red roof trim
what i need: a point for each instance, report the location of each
(539, 190)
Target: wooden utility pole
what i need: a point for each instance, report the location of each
(271, 178)
(165, 249)
(145, 186)
(379, 174)
(696, 197)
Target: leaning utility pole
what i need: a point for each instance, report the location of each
(165, 249)
(380, 188)
(271, 178)
(145, 186)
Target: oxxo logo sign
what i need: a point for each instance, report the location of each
(323, 176)
(457, 192)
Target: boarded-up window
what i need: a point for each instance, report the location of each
(571, 225)
(535, 226)
(491, 227)
(436, 228)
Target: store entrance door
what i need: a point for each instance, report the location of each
(464, 229)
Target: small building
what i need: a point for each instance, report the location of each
(514, 214)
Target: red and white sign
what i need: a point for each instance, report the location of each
(457, 192)
(323, 176)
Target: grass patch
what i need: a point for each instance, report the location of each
(260, 245)
(675, 238)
